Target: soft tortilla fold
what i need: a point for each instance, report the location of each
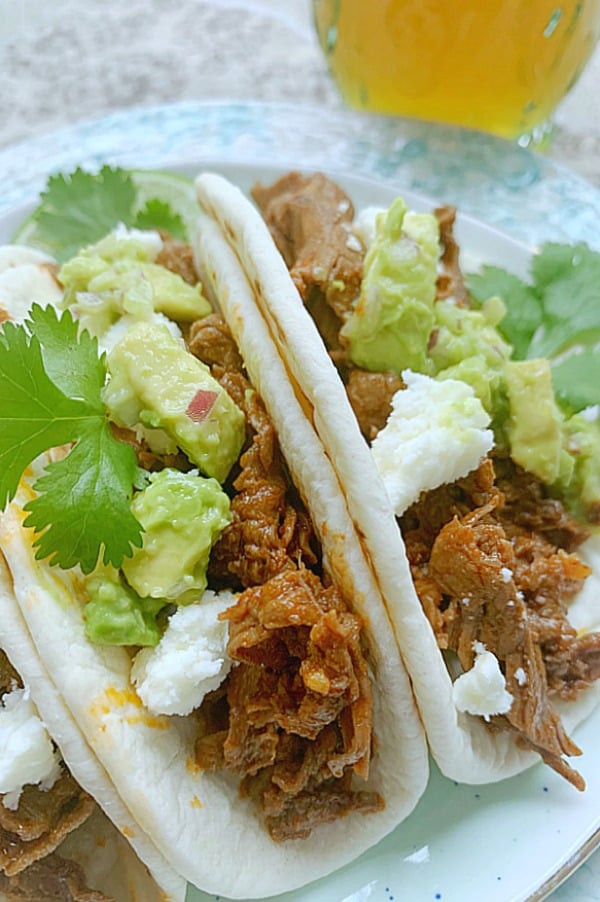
(463, 746)
(198, 820)
(127, 869)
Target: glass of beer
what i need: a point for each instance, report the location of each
(500, 66)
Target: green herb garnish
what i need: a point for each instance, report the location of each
(556, 315)
(82, 207)
(50, 395)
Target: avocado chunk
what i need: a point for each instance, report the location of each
(535, 422)
(115, 615)
(390, 325)
(157, 383)
(183, 515)
(118, 276)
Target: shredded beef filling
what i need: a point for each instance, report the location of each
(178, 257)
(294, 718)
(450, 281)
(299, 705)
(310, 219)
(41, 821)
(43, 818)
(370, 396)
(486, 574)
(53, 878)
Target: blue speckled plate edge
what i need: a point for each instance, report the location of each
(523, 194)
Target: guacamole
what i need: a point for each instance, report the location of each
(157, 383)
(183, 514)
(390, 326)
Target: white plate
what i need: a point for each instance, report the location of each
(506, 842)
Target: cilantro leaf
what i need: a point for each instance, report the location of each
(80, 208)
(558, 312)
(93, 483)
(523, 310)
(35, 414)
(156, 214)
(70, 358)
(567, 279)
(83, 501)
(576, 380)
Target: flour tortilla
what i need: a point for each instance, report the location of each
(464, 749)
(109, 860)
(198, 821)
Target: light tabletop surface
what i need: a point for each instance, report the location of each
(79, 59)
(67, 63)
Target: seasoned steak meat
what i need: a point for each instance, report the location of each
(310, 219)
(299, 705)
(485, 575)
(294, 718)
(54, 878)
(450, 282)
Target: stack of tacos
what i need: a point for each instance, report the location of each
(230, 688)
(490, 580)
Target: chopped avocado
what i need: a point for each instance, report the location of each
(116, 615)
(534, 426)
(466, 345)
(581, 488)
(390, 326)
(183, 515)
(117, 276)
(156, 382)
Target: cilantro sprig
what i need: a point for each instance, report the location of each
(50, 395)
(556, 315)
(79, 208)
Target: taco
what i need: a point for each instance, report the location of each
(232, 666)
(56, 842)
(478, 499)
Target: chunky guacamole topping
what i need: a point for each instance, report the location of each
(397, 325)
(156, 382)
(118, 276)
(116, 615)
(165, 398)
(390, 325)
(182, 514)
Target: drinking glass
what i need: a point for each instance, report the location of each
(501, 66)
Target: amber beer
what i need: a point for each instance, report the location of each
(497, 65)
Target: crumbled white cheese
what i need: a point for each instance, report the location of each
(353, 243)
(506, 574)
(27, 754)
(365, 224)
(149, 239)
(520, 676)
(21, 284)
(482, 689)
(435, 434)
(12, 255)
(190, 659)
